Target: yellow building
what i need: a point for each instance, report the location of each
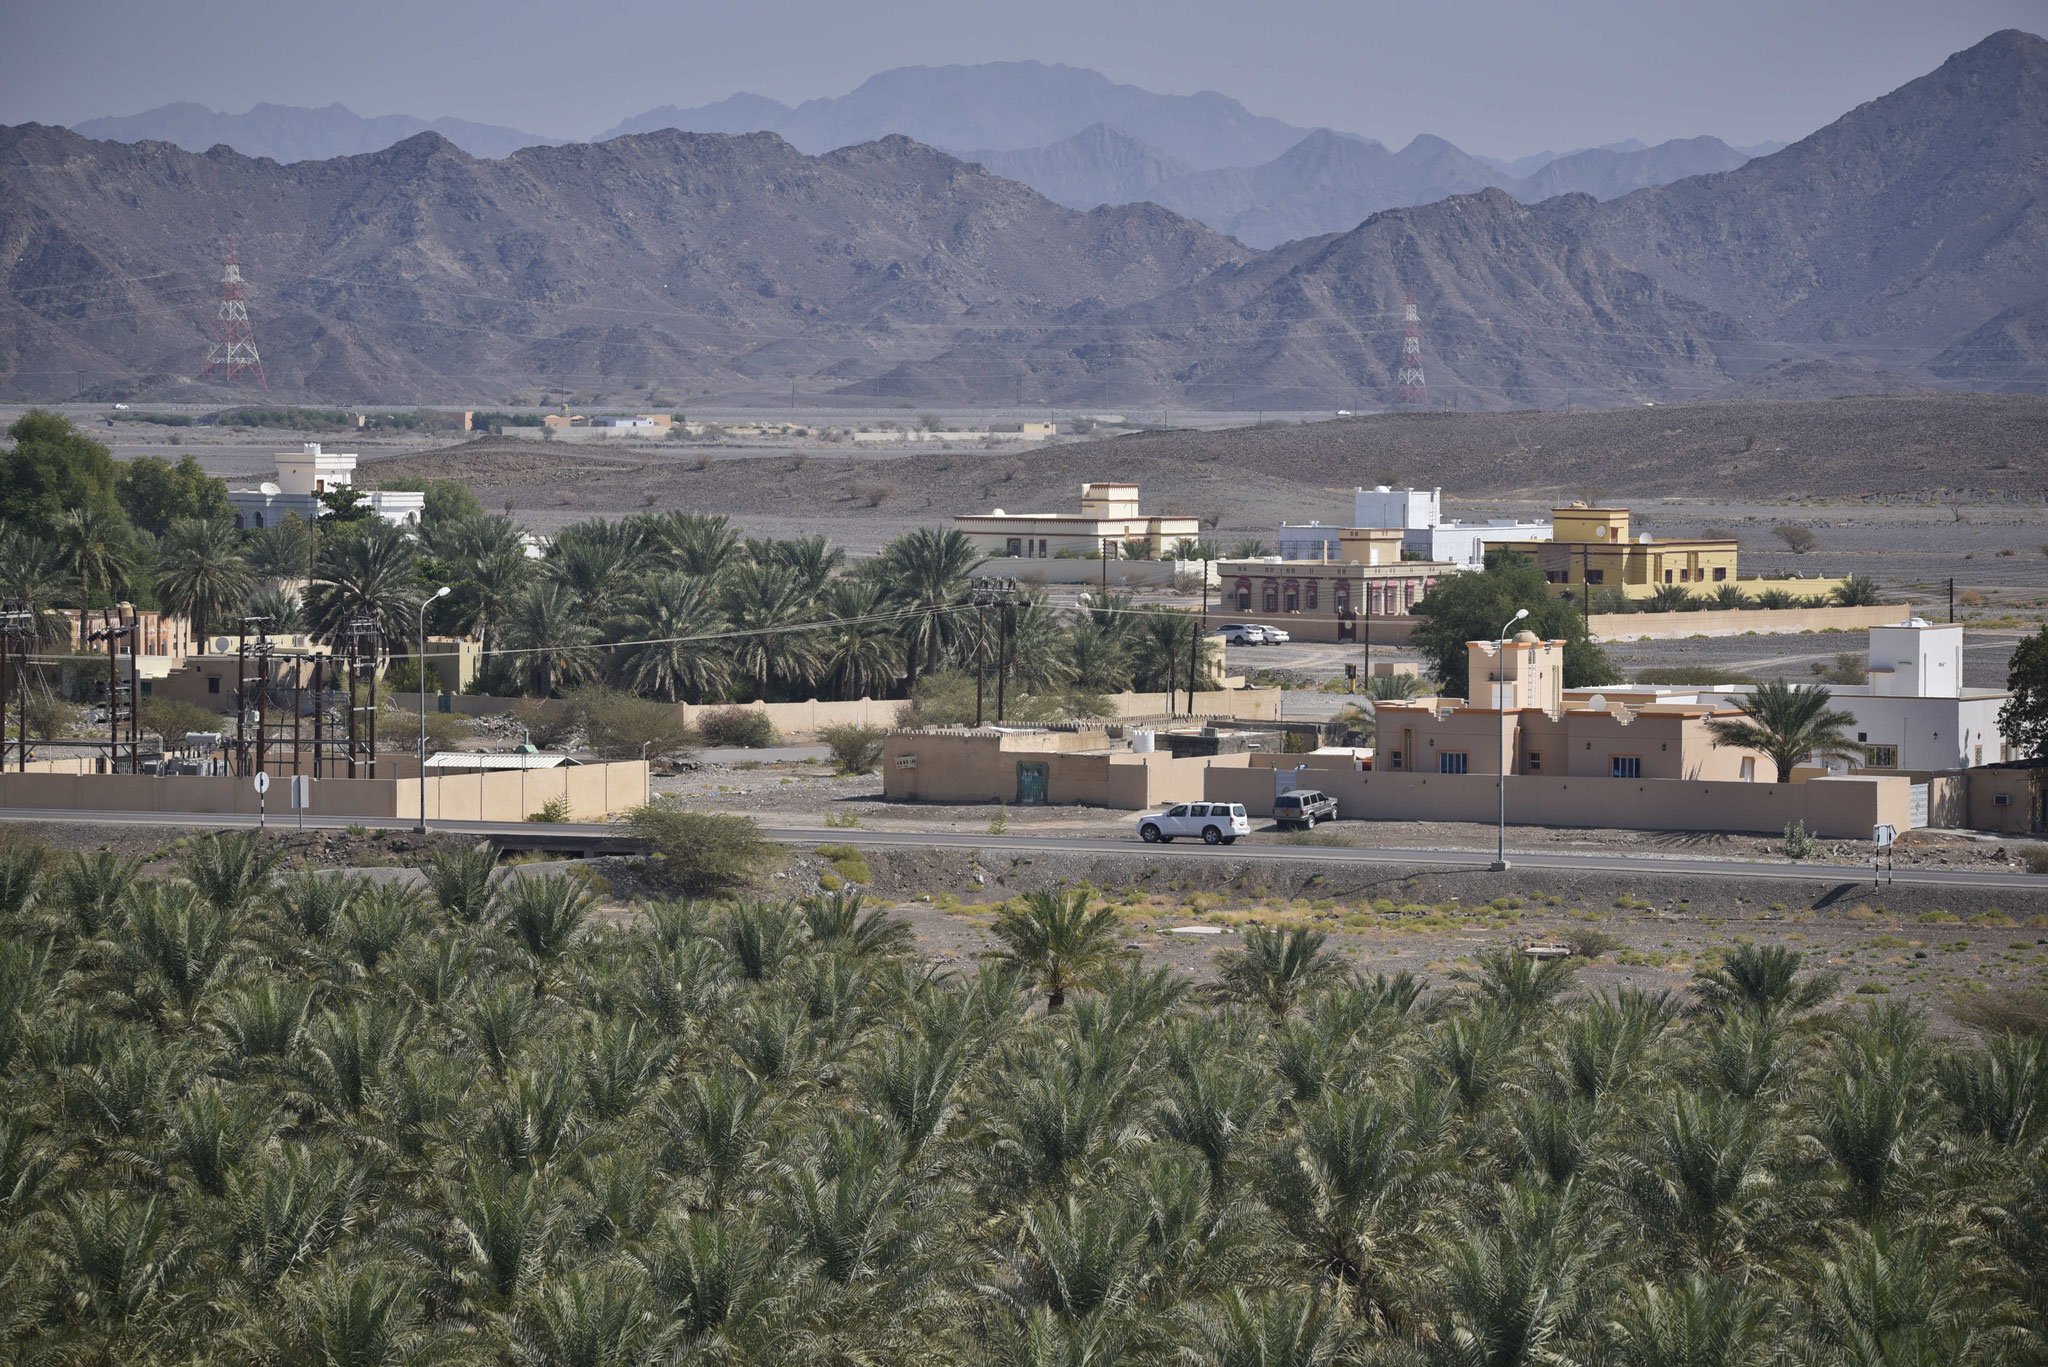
(1593, 547)
(1109, 520)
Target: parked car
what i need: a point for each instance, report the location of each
(1275, 636)
(1218, 823)
(1303, 808)
(1242, 634)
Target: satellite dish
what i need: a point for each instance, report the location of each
(1646, 539)
(1598, 702)
(269, 489)
(223, 644)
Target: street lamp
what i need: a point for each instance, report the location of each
(421, 659)
(1500, 675)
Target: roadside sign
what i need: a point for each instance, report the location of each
(262, 783)
(1883, 836)
(262, 804)
(1883, 839)
(302, 791)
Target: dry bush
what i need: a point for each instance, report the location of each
(2003, 1010)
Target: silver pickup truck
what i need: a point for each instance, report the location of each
(1303, 808)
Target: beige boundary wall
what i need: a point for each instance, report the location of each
(958, 765)
(1670, 626)
(1836, 808)
(804, 718)
(595, 792)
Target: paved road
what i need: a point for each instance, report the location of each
(2033, 885)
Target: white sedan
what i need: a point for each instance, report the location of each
(1218, 823)
(1275, 636)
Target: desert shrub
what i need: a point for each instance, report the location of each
(2035, 857)
(171, 718)
(848, 862)
(2003, 1010)
(738, 726)
(1797, 844)
(855, 749)
(701, 852)
(546, 727)
(554, 811)
(1798, 540)
(621, 726)
(1589, 943)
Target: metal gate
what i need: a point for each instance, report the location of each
(1031, 785)
(1916, 807)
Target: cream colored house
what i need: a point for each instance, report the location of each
(1109, 519)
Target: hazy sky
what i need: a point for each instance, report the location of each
(1502, 77)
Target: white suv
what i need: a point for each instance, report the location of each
(1218, 823)
(1242, 634)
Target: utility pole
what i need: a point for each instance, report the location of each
(1201, 633)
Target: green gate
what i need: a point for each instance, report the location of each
(1030, 785)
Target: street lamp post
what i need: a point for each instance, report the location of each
(1500, 674)
(421, 660)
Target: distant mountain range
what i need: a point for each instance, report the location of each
(1900, 245)
(289, 133)
(1072, 134)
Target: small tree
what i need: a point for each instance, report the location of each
(855, 749)
(1276, 967)
(2024, 718)
(701, 852)
(621, 726)
(738, 726)
(1798, 540)
(1857, 591)
(1790, 724)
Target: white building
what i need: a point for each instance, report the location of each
(1109, 520)
(303, 476)
(1914, 714)
(1419, 515)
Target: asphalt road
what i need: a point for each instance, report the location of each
(1130, 844)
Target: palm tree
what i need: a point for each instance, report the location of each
(812, 559)
(667, 611)
(554, 639)
(201, 572)
(1699, 1322)
(1097, 656)
(1058, 943)
(1250, 549)
(367, 570)
(926, 570)
(97, 550)
(32, 572)
(283, 610)
(489, 588)
(595, 562)
(1169, 640)
(1276, 967)
(1038, 658)
(700, 544)
(1857, 591)
(283, 550)
(1763, 979)
(1789, 724)
(771, 607)
(859, 655)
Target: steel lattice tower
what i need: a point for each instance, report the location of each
(1413, 388)
(234, 345)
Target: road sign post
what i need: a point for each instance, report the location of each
(262, 787)
(302, 796)
(1883, 839)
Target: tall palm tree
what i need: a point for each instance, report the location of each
(97, 550)
(283, 550)
(201, 572)
(1168, 640)
(858, 655)
(1038, 639)
(368, 570)
(662, 609)
(596, 562)
(1058, 943)
(1790, 724)
(811, 558)
(769, 604)
(285, 611)
(490, 585)
(556, 642)
(927, 569)
(1097, 656)
(702, 544)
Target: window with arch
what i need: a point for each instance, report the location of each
(1291, 596)
(1308, 599)
(1242, 591)
(1340, 599)
(1269, 596)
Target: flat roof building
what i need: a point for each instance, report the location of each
(1109, 521)
(303, 476)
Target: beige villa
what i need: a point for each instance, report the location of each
(1109, 520)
